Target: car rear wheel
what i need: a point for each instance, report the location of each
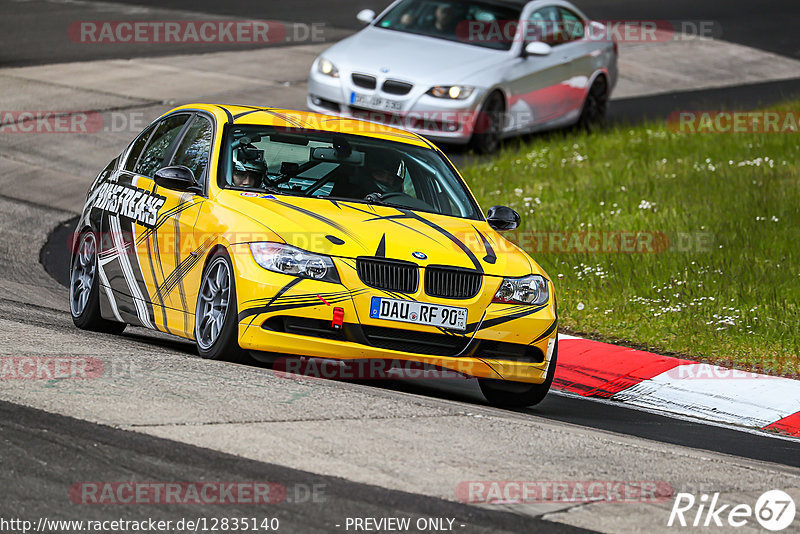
(84, 288)
(489, 125)
(216, 323)
(518, 394)
(594, 108)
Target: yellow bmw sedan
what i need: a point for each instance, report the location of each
(266, 232)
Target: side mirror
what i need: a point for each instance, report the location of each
(538, 48)
(366, 16)
(503, 218)
(177, 177)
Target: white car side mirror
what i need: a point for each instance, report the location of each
(538, 48)
(366, 16)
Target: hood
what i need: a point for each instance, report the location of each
(351, 229)
(415, 58)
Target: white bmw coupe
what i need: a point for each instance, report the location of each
(472, 71)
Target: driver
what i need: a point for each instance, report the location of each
(248, 173)
(249, 168)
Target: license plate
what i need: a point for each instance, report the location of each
(418, 313)
(374, 102)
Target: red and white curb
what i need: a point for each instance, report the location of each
(681, 387)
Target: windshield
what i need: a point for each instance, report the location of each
(343, 167)
(465, 22)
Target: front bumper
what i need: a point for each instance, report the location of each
(439, 119)
(281, 315)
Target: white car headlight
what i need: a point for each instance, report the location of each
(327, 68)
(451, 92)
(287, 259)
(531, 289)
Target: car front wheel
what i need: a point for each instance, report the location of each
(216, 323)
(509, 394)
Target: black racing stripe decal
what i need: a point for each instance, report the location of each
(547, 332)
(163, 218)
(159, 296)
(500, 320)
(181, 288)
(321, 218)
(247, 313)
(307, 296)
(138, 270)
(381, 251)
(448, 235)
(186, 265)
(389, 218)
(281, 307)
(244, 113)
(227, 113)
(293, 121)
(490, 257)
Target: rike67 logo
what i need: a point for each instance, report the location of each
(774, 510)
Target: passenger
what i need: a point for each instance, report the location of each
(384, 168)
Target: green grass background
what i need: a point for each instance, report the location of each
(733, 300)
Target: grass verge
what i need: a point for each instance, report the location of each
(716, 273)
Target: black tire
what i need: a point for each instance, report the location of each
(508, 394)
(224, 344)
(489, 125)
(84, 288)
(593, 113)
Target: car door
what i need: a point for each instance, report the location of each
(181, 285)
(536, 82)
(576, 52)
(139, 225)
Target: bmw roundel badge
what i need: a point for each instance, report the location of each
(419, 255)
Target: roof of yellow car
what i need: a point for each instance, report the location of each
(307, 120)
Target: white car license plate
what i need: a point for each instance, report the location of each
(374, 102)
(418, 313)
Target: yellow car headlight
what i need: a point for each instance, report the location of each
(530, 289)
(286, 259)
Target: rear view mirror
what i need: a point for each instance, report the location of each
(331, 154)
(366, 16)
(178, 178)
(503, 218)
(538, 48)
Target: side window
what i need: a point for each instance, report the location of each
(160, 142)
(543, 25)
(138, 145)
(195, 148)
(572, 25)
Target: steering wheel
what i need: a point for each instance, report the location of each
(384, 196)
